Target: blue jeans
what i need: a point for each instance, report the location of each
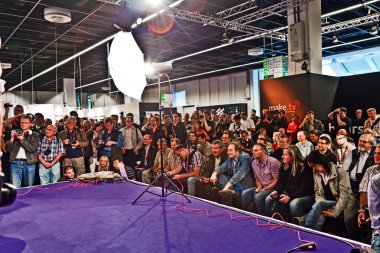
(252, 201)
(49, 175)
(376, 243)
(191, 183)
(21, 170)
(295, 208)
(315, 218)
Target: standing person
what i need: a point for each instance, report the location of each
(110, 140)
(177, 129)
(373, 122)
(357, 125)
(50, 151)
(74, 141)
(132, 142)
(339, 120)
(311, 123)
(294, 192)
(293, 129)
(251, 127)
(22, 149)
(236, 127)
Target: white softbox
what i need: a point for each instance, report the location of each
(126, 64)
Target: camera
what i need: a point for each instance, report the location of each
(8, 105)
(275, 197)
(47, 152)
(336, 112)
(72, 142)
(19, 132)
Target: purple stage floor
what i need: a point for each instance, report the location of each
(100, 218)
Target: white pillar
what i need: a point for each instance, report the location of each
(310, 15)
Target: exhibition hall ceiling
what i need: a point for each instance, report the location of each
(184, 33)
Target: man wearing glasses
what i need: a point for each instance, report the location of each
(361, 160)
(133, 141)
(358, 219)
(322, 147)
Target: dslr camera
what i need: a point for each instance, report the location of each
(72, 142)
(8, 105)
(19, 132)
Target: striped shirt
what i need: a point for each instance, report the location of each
(370, 173)
(55, 146)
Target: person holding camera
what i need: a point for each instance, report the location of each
(22, 149)
(333, 194)
(74, 140)
(236, 127)
(293, 195)
(110, 140)
(339, 120)
(50, 151)
(310, 123)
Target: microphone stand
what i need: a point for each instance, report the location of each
(163, 176)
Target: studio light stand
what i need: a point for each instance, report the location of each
(165, 180)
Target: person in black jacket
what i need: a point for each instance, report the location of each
(177, 129)
(294, 192)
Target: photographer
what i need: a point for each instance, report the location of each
(50, 152)
(22, 149)
(236, 127)
(14, 122)
(110, 140)
(339, 120)
(310, 123)
(74, 140)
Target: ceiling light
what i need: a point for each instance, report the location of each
(57, 15)
(373, 29)
(335, 39)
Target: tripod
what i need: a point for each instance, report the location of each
(163, 176)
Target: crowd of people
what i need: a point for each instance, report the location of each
(261, 163)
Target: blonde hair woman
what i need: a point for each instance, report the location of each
(104, 163)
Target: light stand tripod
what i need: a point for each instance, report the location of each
(163, 176)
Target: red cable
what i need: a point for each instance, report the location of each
(76, 185)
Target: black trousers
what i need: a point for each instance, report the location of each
(129, 158)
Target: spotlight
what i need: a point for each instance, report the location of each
(227, 37)
(335, 39)
(373, 29)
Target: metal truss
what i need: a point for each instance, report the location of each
(271, 10)
(115, 2)
(238, 9)
(226, 24)
(351, 23)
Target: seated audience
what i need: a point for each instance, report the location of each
(120, 168)
(68, 174)
(333, 195)
(233, 176)
(146, 157)
(357, 219)
(322, 148)
(374, 207)
(149, 175)
(266, 171)
(293, 195)
(304, 146)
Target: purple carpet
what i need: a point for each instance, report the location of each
(100, 218)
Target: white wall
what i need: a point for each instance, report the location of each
(218, 90)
